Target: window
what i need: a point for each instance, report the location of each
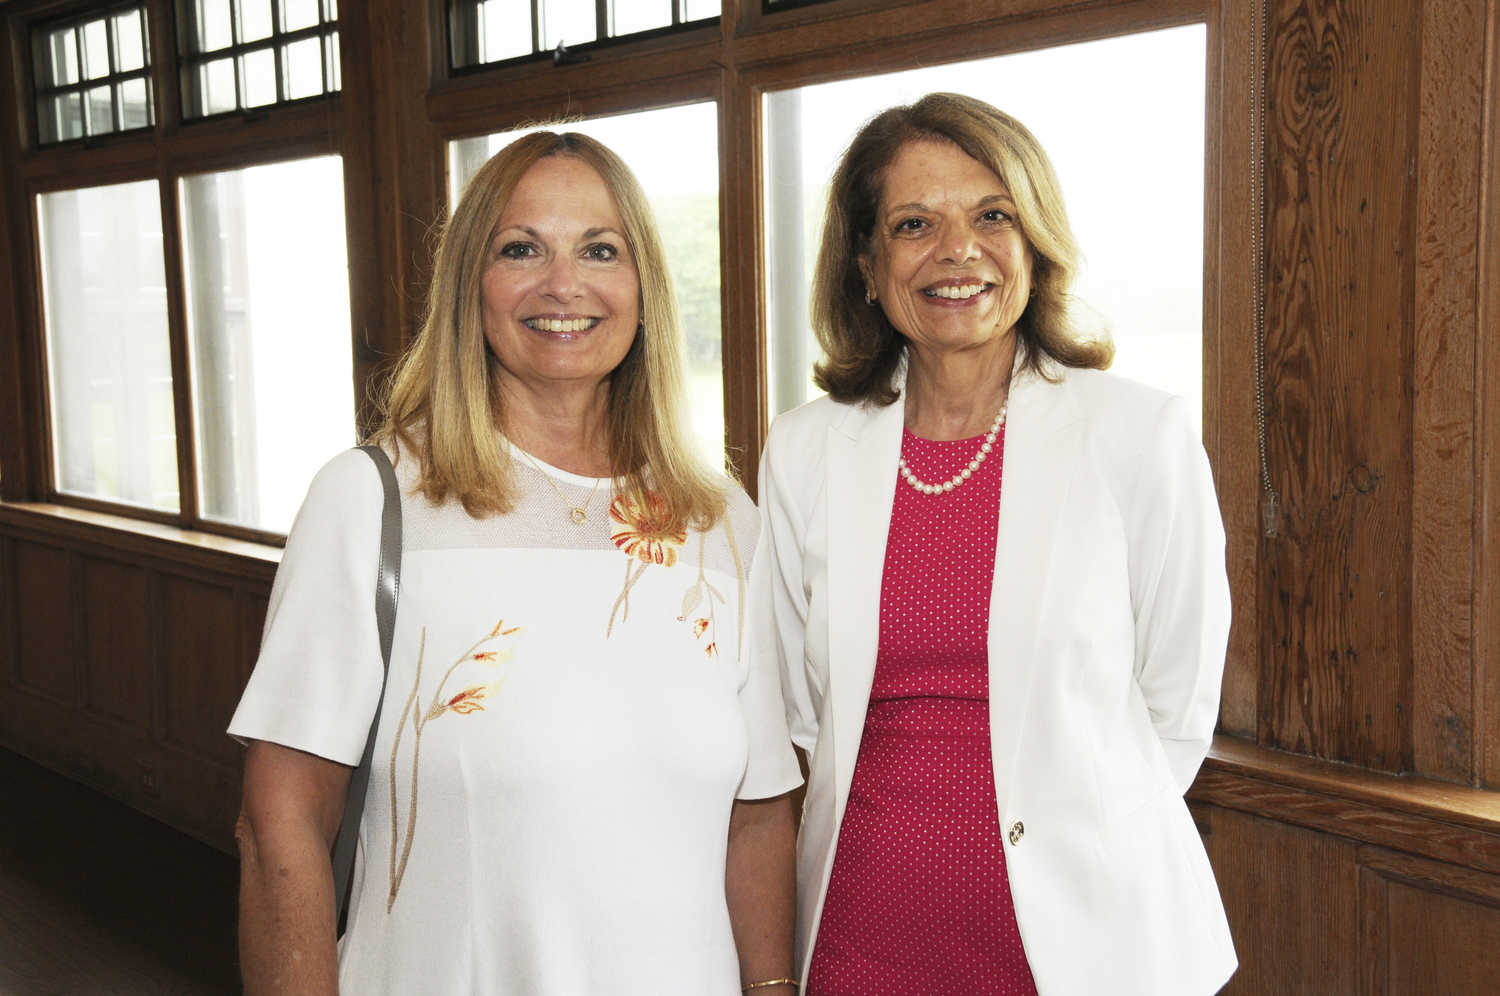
(1121, 119)
(195, 308)
(486, 31)
(92, 75)
(268, 320)
(105, 294)
(245, 54)
(674, 153)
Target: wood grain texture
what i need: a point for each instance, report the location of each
(1448, 171)
(1229, 357)
(1336, 611)
(1486, 617)
(1291, 896)
(1451, 951)
(1441, 821)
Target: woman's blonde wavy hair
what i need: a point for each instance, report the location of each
(443, 403)
(862, 350)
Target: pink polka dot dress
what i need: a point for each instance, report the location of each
(919, 901)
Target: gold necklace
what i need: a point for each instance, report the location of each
(577, 514)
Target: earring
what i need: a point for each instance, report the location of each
(869, 298)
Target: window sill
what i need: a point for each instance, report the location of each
(118, 534)
(1458, 824)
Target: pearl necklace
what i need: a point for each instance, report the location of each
(963, 475)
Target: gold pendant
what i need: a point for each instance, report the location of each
(578, 515)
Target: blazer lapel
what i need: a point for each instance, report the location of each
(1043, 432)
(862, 454)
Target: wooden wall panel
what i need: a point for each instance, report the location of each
(1450, 952)
(1342, 86)
(1448, 172)
(116, 630)
(44, 611)
(200, 662)
(1292, 900)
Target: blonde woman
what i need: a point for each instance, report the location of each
(581, 776)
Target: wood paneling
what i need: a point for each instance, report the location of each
(1448, 165)
(1292, 900)
(1486, 616)
(200, 667)
(156, 650)
(117, 641)
(1422, 816)
(47, 661)
(1342, 86)
(1229, 356)
(1315, 913)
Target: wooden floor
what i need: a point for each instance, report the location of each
(97, 899)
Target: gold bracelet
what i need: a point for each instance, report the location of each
(774, 982)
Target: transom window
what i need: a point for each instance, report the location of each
(487, 31)
(242, 54)
(92, 74)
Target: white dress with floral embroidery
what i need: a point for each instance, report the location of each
(571, 711)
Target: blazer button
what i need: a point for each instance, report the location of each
(1017, 831)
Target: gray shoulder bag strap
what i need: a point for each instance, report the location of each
(387, 588)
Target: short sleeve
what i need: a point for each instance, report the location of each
(772, 768)
(318, 679)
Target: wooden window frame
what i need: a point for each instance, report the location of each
(172, 148)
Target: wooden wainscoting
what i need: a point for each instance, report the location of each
(1339, 881)
(123, 647)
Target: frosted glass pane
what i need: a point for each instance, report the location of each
(135, 106)
(217, 82)
(101, 111)
(96, 49)
(104, 287)
(304, 69)
(298, 14)
(260, 78)
(268, 320)
(1122, 121)
(504, 29)
(67, 117)
(129, 54)
(337, 76)
(571, 22)
(215, 30)
(255, 20)
(64, 45)
(675, 155)
(697, 10)
(629, 16)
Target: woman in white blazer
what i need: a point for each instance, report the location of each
(1017, 824)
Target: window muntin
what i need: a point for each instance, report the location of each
(92, 74)
(243, 54)
(489, 31)
(105, 297)
(268, 321)
(674, 153)
(1122, 120)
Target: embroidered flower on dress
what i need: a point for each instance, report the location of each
(642, 534)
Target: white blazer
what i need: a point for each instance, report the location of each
(1109, 617)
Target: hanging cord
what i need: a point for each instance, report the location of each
(1269, 500)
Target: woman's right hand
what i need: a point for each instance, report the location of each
(290, 817)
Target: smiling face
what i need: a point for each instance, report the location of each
(947, 261)
(560, 293)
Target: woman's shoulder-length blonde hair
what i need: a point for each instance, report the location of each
(443, 403)
(862, 351)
